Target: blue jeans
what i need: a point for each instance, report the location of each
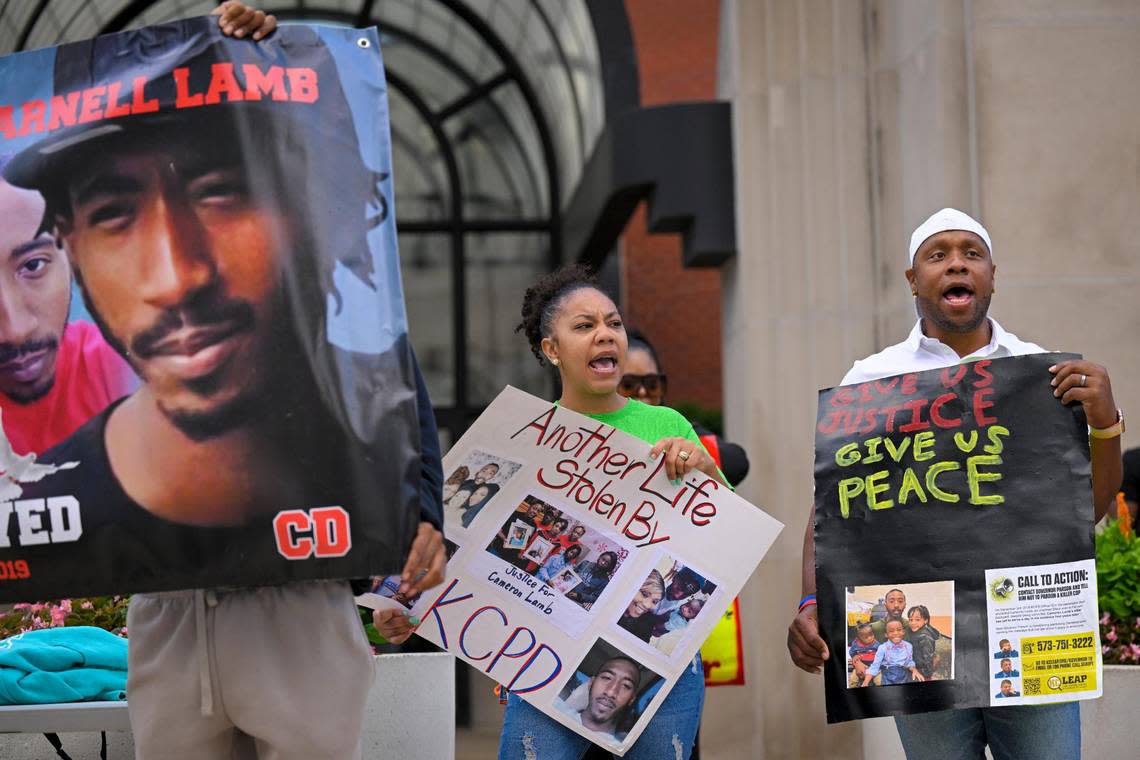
(1040, 732)
(529, 735)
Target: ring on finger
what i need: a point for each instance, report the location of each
(683, 456)
(1084, 378)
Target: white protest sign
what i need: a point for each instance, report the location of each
(573, 553)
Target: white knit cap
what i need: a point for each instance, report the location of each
(941, 221)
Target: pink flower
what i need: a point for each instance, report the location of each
(1111, 635)
(86, 605)
(1104, 649)
(58, 616)
(1105, 619)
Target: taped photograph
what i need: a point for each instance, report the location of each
(472, 485)
(670, 598)
(608, 692)
(899, 634)
(540, 539)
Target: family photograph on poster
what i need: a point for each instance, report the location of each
(901, 633)
(566, 554)
(668, 600)
(608, 692)
(569, 556)
(472, 485)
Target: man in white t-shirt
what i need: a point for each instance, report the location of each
(952, 281)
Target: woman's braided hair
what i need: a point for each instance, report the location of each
(543, 298)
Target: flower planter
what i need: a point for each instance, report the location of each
(1107, 728)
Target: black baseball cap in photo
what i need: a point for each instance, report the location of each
(163, 76)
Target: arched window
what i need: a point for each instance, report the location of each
(495, 105)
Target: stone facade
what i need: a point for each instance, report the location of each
(854, 121)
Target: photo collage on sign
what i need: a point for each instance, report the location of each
(900, 634)
(608, 692)
(472, 485)
(670, 598)
(572, 558)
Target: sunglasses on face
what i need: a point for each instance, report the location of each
(653, 383)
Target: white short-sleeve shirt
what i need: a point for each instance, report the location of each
(918, 353)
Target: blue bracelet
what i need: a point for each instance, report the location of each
(808, 599)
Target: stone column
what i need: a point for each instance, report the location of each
(853, 122)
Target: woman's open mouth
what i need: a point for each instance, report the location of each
(604, 365)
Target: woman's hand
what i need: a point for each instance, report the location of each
(239, 20)
(682, 456)
(426, 563)
(395, 625)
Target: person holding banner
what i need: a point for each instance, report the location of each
(574, 326)
(180, 251)
(951, 277)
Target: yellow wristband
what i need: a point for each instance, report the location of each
(1112, 431)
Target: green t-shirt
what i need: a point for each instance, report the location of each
(647, 422)
(650, 424)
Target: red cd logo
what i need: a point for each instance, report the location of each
(320, 532)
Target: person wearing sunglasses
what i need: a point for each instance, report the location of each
(644, 380)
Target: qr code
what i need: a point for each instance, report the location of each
(1032, 686)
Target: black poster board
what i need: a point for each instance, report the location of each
(931, 478)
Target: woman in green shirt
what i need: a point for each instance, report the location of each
(574, 326)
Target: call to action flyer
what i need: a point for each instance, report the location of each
(1043, 633)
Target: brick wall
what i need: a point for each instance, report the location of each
(677, 308)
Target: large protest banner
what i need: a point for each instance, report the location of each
(226, 208)
(954, 552)
(572, 551)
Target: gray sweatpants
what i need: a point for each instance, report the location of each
(275, 673)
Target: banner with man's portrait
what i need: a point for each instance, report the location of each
(586, 582)
(953, 542)
(226, 211)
